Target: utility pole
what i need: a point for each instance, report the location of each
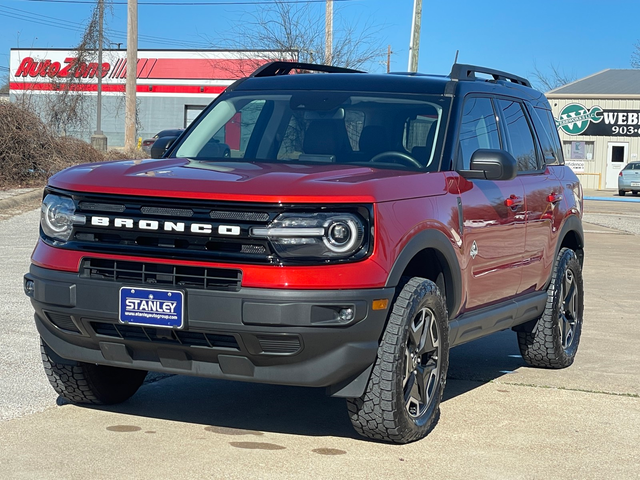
(389, 52)
(98, 139)
(328, 36)
(414, 43)
(132, 67)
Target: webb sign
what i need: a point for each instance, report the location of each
(576, 119)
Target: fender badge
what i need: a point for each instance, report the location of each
(474, 249)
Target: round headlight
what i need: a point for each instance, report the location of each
(58, 217)
(343, 234)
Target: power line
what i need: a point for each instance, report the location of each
(19, 14)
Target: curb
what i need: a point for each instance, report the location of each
(18, 200)
(614, 199)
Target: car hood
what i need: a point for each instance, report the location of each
(249, 181)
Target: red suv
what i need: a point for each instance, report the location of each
(362, 226)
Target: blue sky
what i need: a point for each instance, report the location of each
(580, 37)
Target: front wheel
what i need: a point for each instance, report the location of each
(402, 400)
(554, 340)
(86, 383)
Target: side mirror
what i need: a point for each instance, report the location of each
(489, 164)
(161, 145)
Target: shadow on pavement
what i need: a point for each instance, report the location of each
(237, 406)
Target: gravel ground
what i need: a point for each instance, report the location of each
(627, 223)
(24, 388)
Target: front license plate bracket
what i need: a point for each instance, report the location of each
(151, 307)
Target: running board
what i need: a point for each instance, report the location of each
(477, 324)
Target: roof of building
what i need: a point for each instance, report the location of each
(607, 82)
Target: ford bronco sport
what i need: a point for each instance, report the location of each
(363, 225)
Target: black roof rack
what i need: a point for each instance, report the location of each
(468, 72)
(284, 68)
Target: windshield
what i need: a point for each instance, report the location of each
(320, 127)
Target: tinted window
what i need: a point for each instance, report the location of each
(478, 129)
(328, 127)
(550, 126)
(632, 166)
(521, 144)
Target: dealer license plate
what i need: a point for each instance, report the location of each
(151, 307)
(635, 184)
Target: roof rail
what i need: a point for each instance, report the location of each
(468, 72)
(284, 68)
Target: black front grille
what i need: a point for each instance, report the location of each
(181, 229)
(163, 335)
(288, 344)
(207, 278)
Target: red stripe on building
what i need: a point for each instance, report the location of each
(148, 66)
(142, 62)
(201, 68)
(123, 69)
(91, 87)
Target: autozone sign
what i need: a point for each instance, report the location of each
(70, 67)
(204, 73)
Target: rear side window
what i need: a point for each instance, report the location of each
(520, 138)
(478, 129)
(552, 131)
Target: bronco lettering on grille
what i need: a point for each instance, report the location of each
(167, 226)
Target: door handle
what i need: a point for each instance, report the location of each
(554, 198)
(513, 201)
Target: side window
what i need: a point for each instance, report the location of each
(521, 144)
(550, 125)
(478, 129)
(549, 155)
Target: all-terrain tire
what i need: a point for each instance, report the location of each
(401, 405)
(554, 340)
(86, 383)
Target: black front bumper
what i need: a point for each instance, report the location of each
(278, 336)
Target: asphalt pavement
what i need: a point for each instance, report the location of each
(499, 420)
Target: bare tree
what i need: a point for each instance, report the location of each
(299, 28)
(635, 55)
(554, 78)
(4, 84)
(71, 107)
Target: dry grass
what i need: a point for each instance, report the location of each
(30, 153)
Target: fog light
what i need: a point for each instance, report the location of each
(346, 314)
(29, 287)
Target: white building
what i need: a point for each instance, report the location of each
(598, 118)
(173, 86)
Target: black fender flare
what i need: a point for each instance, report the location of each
(571, 223)
(436, 240)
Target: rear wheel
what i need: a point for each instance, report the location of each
(554, 340)
(402, 400)
(85, 383)
(621, 193)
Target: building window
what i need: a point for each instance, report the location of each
(578, 150)
(191, 112)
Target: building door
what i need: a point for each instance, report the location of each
(191, 112)
(617, 154)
